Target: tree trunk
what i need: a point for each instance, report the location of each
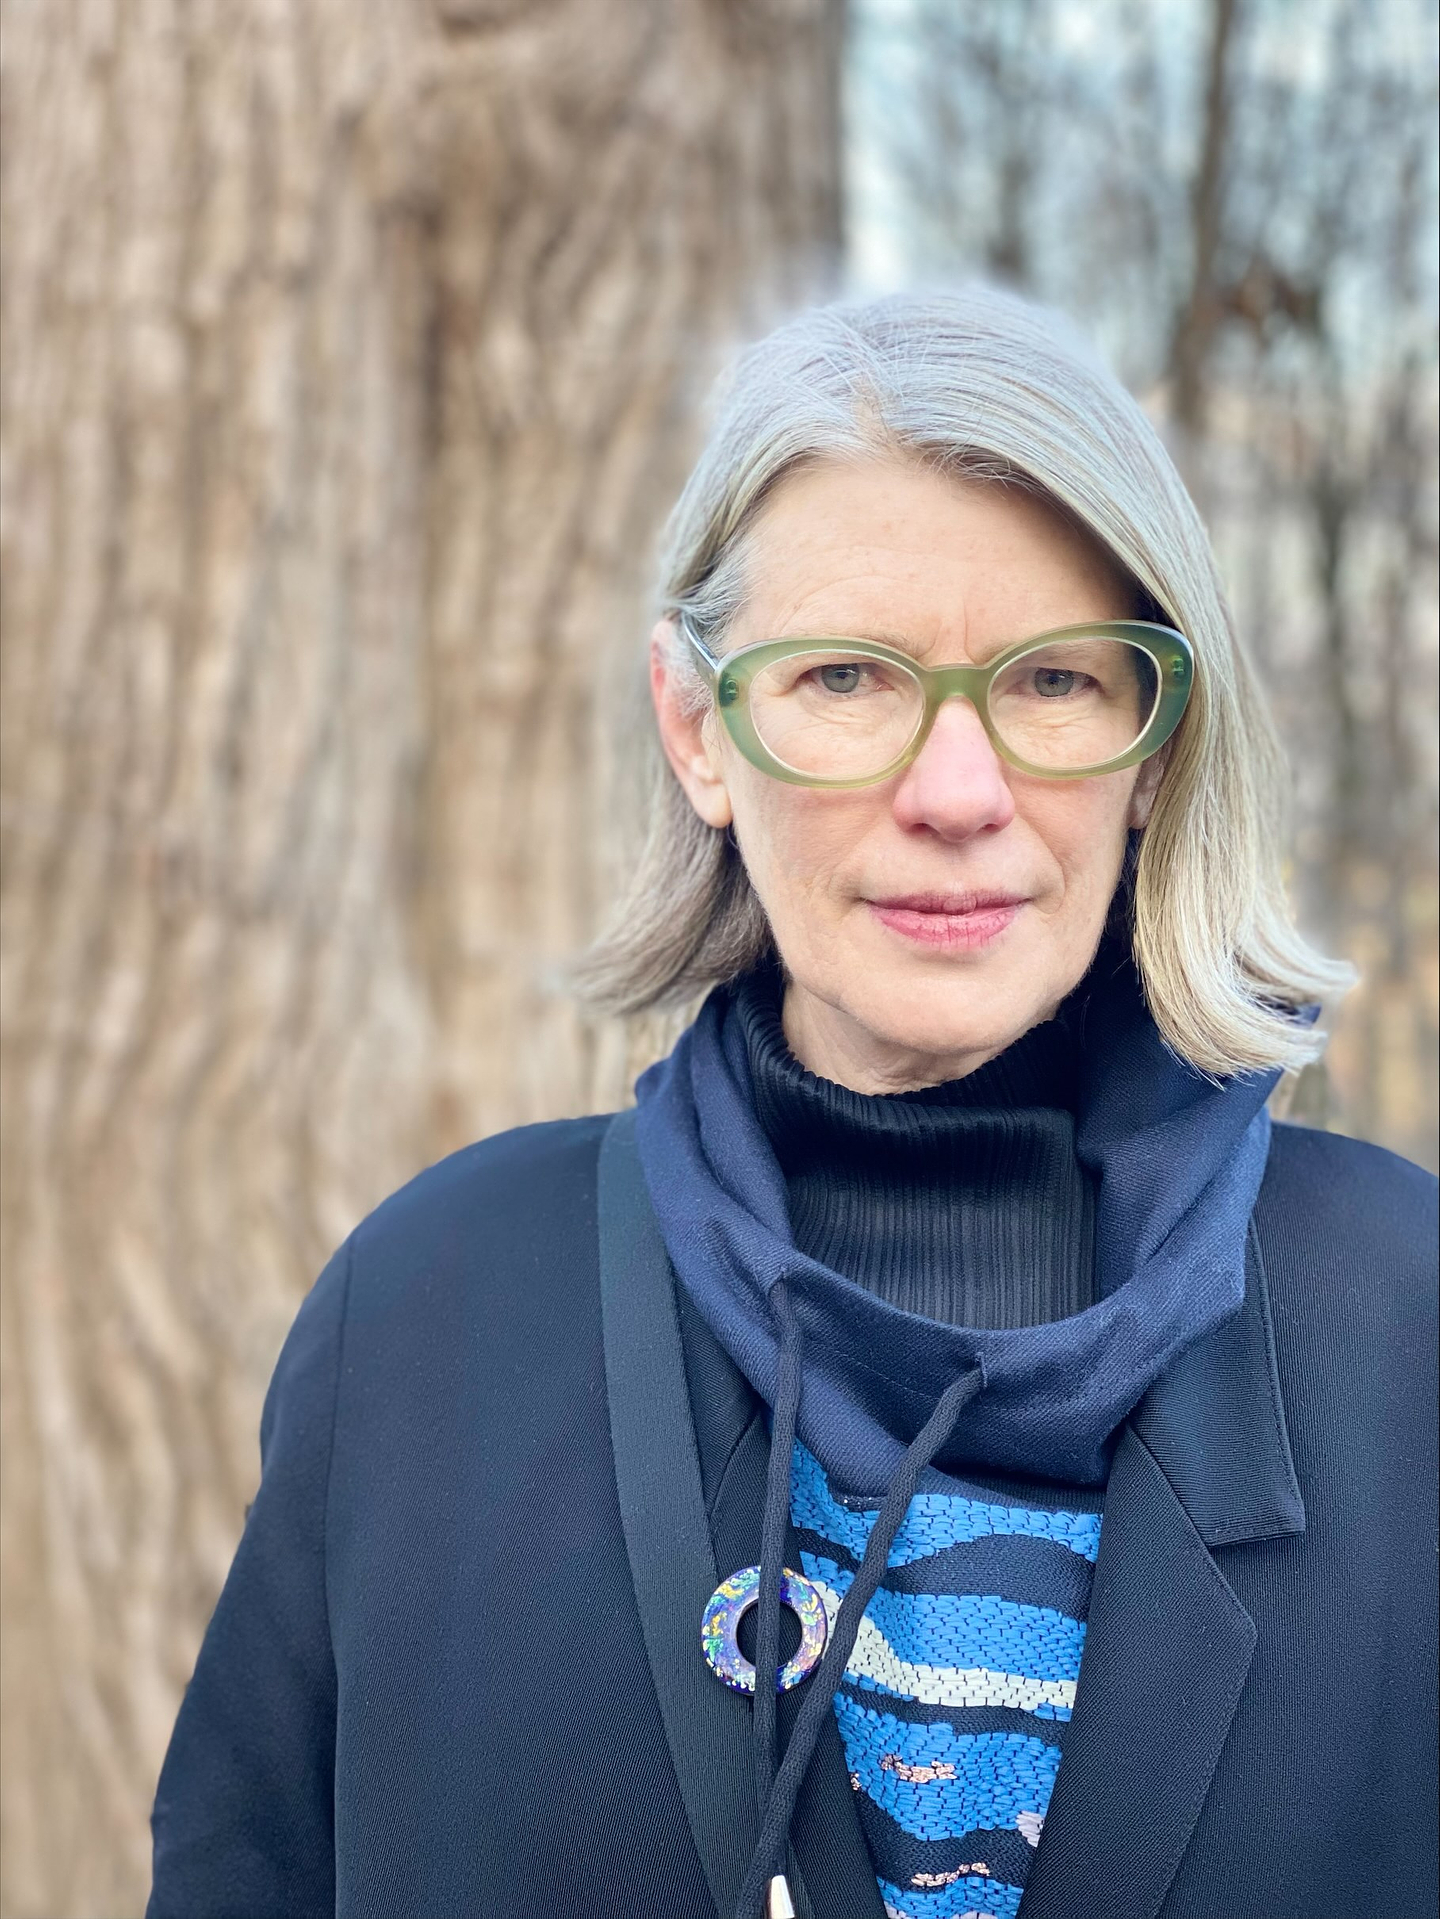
(351, 357)
(1199, 320)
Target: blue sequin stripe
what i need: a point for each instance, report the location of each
(966, 1629)
(969, 1898)
(922, 1712)
(933, 1522)
(937, 1783)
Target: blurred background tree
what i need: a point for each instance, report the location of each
(351, 358)
(1237, 199)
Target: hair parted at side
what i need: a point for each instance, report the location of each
(983, 384)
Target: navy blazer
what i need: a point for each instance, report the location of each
(456, 1667)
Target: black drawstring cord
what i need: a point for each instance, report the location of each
(767, 1860)
(772, 1539)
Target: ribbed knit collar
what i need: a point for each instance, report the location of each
(963, 1202)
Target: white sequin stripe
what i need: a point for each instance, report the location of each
(1029, 1826)
(876, 1659)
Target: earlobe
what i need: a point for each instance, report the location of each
(684, 734)
(1147, 785)
(1142, 800)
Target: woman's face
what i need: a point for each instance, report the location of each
(927, 921)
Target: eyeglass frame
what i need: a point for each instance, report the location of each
(1170, 651)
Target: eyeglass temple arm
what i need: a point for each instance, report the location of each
(687, 632)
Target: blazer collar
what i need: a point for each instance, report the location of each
(1215, 1426)
(1205, 1461)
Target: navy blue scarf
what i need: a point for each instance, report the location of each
(1177, 1160)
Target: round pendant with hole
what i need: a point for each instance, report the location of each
(728, 1605)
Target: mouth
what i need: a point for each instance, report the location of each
(957, 922)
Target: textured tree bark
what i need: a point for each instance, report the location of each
(351, 356)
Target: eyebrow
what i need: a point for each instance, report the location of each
(870, 635)
(897, 642)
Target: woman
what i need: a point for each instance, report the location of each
(948, 1281)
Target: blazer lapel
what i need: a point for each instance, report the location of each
(1167, 1650)
(678, 1550)
(662, 1510)
(1204, 1461)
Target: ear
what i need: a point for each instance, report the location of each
(686, 735)
(1147, 785)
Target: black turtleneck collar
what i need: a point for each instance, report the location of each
(962, 1202)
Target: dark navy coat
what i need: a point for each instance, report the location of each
(456, 1667)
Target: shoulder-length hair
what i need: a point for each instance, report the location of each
(984, 385)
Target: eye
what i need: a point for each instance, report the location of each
(1053, 682)
(840, 678)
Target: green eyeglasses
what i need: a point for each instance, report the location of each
(1082, 700)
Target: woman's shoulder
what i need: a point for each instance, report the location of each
(521, 1201)
(1348, 1227)
(1332, 1179)
(508, 1170)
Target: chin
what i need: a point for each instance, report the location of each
(968, 1002)
(958, 1016)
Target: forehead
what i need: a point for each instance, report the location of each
(932, 562)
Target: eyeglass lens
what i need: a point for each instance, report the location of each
(1067, 704)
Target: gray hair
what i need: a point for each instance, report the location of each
(982, 384)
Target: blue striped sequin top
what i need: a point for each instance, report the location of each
(956, 1697)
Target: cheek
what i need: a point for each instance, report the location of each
(1083, 827)
(795, 841)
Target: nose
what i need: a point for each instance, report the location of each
(956, 784)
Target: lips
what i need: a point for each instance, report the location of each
(953, 921)
(949, 903)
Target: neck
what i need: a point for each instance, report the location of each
(961, 1201)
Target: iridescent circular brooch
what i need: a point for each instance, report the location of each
(728, 1605)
